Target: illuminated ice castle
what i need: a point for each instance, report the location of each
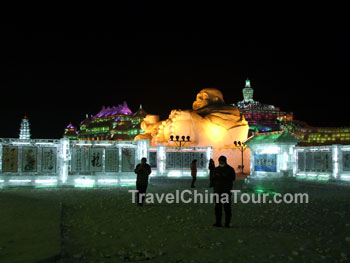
(317, 136)
(260, 117)
(110, 123)
(70, 132)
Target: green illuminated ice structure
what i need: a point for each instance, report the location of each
(272, 154)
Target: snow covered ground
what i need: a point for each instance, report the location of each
(102, 225)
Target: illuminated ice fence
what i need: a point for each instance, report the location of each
(103, 163)
(52, 163)
(277, 154)
(27, 162)
(172, 162)
(323, 163)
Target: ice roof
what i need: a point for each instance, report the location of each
(70, 126)
(283, 137)
(110, 111)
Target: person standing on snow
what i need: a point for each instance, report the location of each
(193, 172)
(211, 172)
(223, 178)
(143, 170)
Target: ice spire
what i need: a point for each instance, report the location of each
(248, 91)
(247, 83)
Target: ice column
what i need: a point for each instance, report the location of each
(335, 160)
(142, 150)
(64, 158)
(161, 159)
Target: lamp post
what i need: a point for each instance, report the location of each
(240, 146)
(180, 143)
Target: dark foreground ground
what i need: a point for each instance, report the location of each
(102, 225)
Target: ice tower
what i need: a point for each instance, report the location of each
(25, 129)
(248, 92)
(261, 117)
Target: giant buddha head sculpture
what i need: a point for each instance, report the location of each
(207, 97)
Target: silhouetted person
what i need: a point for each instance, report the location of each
(211, 172)
(223, 178)
(193, 172)
(143, 170)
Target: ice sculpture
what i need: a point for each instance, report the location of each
(210, 123)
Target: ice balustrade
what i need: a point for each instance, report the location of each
(51, 163)
(319, 163)
(323, 162)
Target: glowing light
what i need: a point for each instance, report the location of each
(261, 174)
(108, 181)
(174, 174)
(209, 153)
(127, 185)
(291, 150)
(311, 178)
(21, 143)
(202, 174)
(324, 175)
(345, 148)
(319, 150)
(126, 145)
(64, 170)
(345, 177)
(20, 181)
(215, 132)
(295, 162)
(335, 153)
(142, 149)
(46, 186)
(162, 156)
(251, 162)
(312, 175)
(46, 181)
(128, 180)
(285, 161)
(247, 83)
(84, 182)
(323, 178)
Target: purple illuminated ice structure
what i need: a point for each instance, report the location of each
(110, 111)
(70, 126)
(125, 109)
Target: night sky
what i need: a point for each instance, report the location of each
(57, 66)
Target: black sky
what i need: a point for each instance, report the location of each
(56, 66)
